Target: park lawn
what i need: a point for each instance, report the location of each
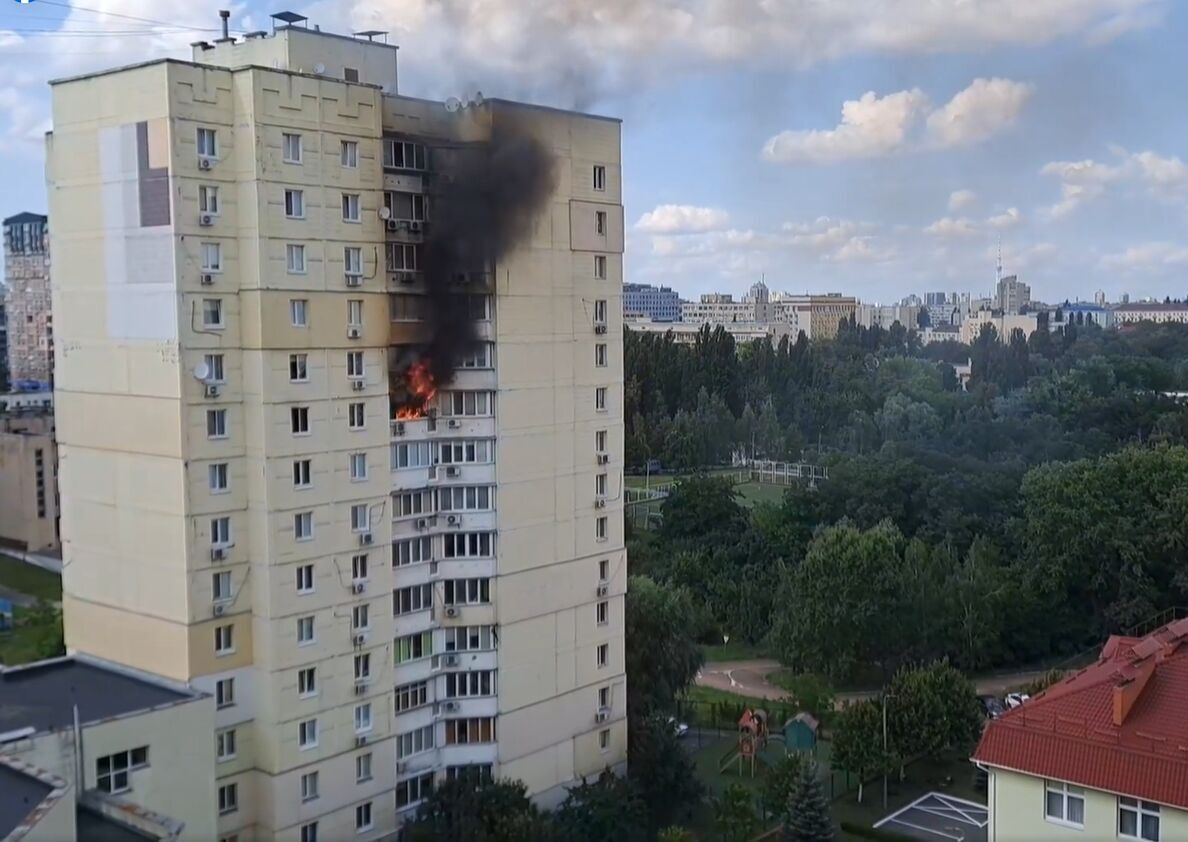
(31, 641)
(28, 579)
(751, 493)
(702, 695)
(734, 651)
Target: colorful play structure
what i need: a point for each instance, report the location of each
(799, 734)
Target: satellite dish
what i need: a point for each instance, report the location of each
(478, 97)
(453, 104)
(201, 371)
(385, 212)
(319, 68)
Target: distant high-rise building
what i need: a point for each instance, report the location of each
(935, 299)
(30, 333)
(1099, 298)
(660, 304)
(1011, 295)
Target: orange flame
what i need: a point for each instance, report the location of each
(418, 380)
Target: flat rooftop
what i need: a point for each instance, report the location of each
(43, 696)
(20, 795)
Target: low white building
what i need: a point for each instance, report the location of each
(1144, 311)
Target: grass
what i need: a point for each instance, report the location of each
(706, 695)
(28, 579)
(37, 635)
(952, 776)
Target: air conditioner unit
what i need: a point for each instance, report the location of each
(602, 715)
(449, 707)
(359, 587)
(361, 740)
(600, 329)
(219, 608)
(206, 280)
(603, 590)
(451, 611)
(354, 332)
(449, 660)
(453, 471)
(397, 428)
(600, 502)
(205, 220)
(211, 390)
(454, 424)
(205, 163)
(358, 639)
(358, 385)
(354, 280)
(414, 226)
(218, 553)
(603, 458)
(422, 523)
(360, 688)
(392, 225)
(365, 538)
(454, 520)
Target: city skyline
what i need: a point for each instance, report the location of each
(888, 155)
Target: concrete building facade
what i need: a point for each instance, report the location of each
(1151, 311)
(1011, 295)
(30, 330)
(28, 478)
(376, 603)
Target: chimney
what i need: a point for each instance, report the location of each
(225, 15)
(1128, 691)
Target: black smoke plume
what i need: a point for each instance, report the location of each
(483, 202)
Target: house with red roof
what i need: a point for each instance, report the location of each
(1102, 754)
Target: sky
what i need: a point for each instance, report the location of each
(871, 147)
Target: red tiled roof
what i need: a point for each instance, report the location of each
(1068, 733)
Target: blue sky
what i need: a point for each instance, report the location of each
(876, 147)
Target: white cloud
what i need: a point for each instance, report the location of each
(874, 126)
(569, 47)
(8, 38)
(1007, 219)
(871, 126)
(1147, 172)
(681, 219)
(960, 199)
(949, 228)
(1147, 257)
(985, 107)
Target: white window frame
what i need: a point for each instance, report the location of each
(600, 398)
(307, 734)
(1140, 809)
(601, 355)
(352, 261)
(207, 150)
(292, 148)
(360, 517)
(298, 368)
(601, 223)
(357, 416)
(602, 655)
(224, 693)
(309, 786)
(1066, 792)
(363, 767)
(224, 640)
(604, 740)
(228, 799)
(348, 154)
(303, 526)
(360, 567)
(601, 529)
(220, 531)
(299, 420)
(356, 365)
(364, 817)
(364, 723)
(302, 473)
(216, 423)
(602, 613)
(600, 267)
(307, 682)
(599, 178)
(218, 476)
(309, 832)
(351, 208)
(295, 259)
(305, 638)
(213, 316)
(306, 579)
(299, 312)
(354, 312)
(361, 617)
(208, 199)
(357, 466)
(225, 745)
(220, 586)
(294, 203)
(211, 255)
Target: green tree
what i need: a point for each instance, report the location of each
(780, 783)
(703, 510)
(662, 771)
(609, 808)
(932, 710)
(498, 811)
(840, 608)
(661, 657)
(808, 816)
(674, 833)
(734, 814)
(858, 742)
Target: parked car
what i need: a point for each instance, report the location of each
(1013, 700)
(679, 729)
(991, 706)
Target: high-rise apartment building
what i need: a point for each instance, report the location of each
(1011, 295)
(30, 332)
(355, 478)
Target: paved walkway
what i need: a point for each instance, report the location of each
(749, 678)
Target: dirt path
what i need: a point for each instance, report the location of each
(749, 678)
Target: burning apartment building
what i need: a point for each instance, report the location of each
(362, 352)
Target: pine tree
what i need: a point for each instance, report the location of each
(808, 818)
